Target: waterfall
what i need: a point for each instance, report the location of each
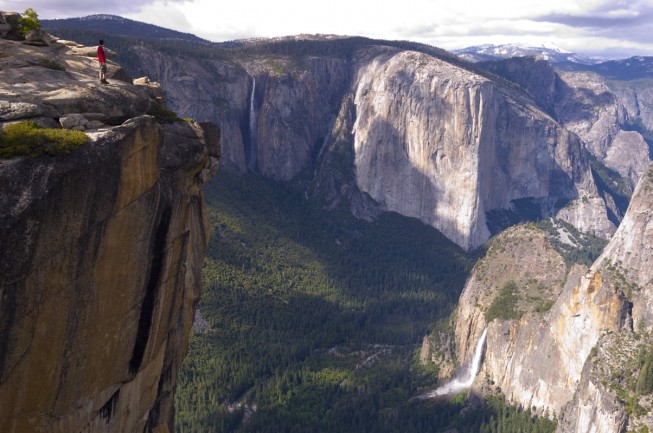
(252, 127)
(464, 378)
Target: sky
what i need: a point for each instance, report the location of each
(601, 28)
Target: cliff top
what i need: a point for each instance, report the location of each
(55, 83)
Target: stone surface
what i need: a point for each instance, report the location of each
(11, 26)
(628, 155)
(428, 138)
(100, 253)
(18, 110)
(445, 145)
(54, 81)
(631, 251)
(98, 301)
(549, 359)
(521, 254)
(602, 113)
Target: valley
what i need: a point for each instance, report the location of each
(386, 215)
(314, 320)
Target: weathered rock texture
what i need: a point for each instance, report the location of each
(55, 82)
(630, 252)
(101, 253)
(429, 138)
(545, 359)
(602, 114)
(446, 145)
(274, 114)
(522, 255)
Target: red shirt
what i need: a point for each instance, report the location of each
(100, 54)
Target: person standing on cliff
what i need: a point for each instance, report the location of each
(102, 58)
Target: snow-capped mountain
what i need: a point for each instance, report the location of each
(547, 51)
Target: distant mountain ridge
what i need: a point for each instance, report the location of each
(625, 69)
(117, 25)
(621, 69)
(553, 54)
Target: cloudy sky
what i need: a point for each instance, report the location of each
(606, 28)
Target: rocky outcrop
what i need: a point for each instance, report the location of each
(429, 138)
(629, 255)
(55, 82)
(207, 90)
(446, 145)
(573, 359)
(637, 99)
(522, 255)
(538, 361)
(595, 406)
(101, 255)
(628, 156)
(10, 26)
(274, 113)
(596, 111)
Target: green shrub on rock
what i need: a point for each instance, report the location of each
(162, 114)
(27, 139)
(504, 306)
(29, 22)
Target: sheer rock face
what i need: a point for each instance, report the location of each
(546, 359)
(427, 138)
(628, 156)
(595, 407)
(101, 262)
(212, 91)
(101, 252)
(601, 113)
(274, 116)
(536, 360)
(631, 251)
(637, 99)
(445, 145)
(520, 254)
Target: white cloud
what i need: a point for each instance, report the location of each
(577, 25)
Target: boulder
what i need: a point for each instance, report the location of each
(94, 124)
(73, 121)
(152, 88)
(36, 38)
(115, 72)
(18, 110)
(10, 26)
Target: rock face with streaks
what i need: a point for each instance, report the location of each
(603, 115)
(577, 360)
(445, 145)
(274, 115)
(101, 254)
(428, 138)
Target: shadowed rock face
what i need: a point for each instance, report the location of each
(446, 145)
(293, 107)
(428, 138)
(601, 113)
(100, 254)
(565, 360)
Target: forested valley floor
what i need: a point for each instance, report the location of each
(312, 321)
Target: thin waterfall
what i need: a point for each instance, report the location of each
(253, 136)
(465, 378)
